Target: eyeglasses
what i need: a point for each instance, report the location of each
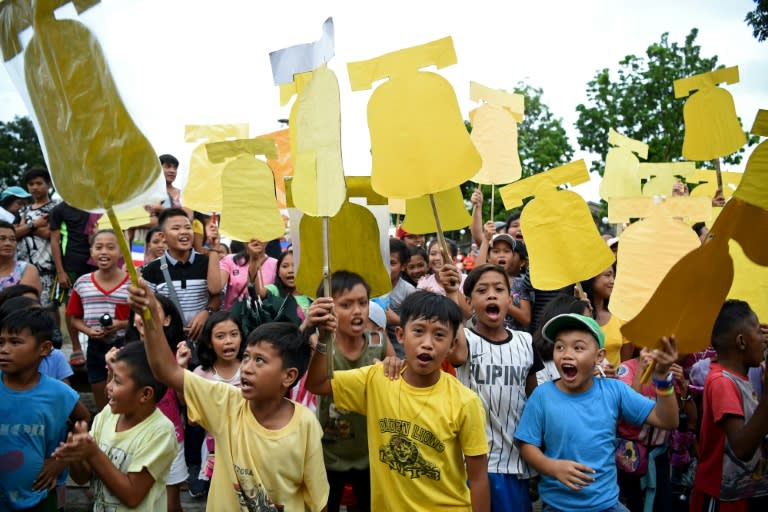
(7, 239)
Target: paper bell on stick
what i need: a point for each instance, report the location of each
(494, 134)
(203, 191)
(419, 142)
(712, 128)
(556, 219)
(622, 167)
(248, 190)
(97, 155)
(637, 275)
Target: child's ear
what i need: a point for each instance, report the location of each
(46, 348)
(290, 375)
(740, 343)
(399, 334)
(147, 395)
(600, 355)
(167, 321)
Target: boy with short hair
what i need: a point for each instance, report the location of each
(268, 451)
(730, 475)
(34, 410)
(424, 427)
(188, 272)
(131, 444)
(568, 428)
(500, 365)
(345, 440)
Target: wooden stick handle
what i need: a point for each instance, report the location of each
(125, 250)
(328, 338)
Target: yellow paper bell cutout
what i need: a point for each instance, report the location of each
(248, 187)
(622, 167)
(353, 227)
(712, 128)
(555, 219)
(494, 134)
(419, 218)
(203, 191)
(663, 176)
(397, 206)
(318, 186)
(687, 300)
(637, 274)
(419, 142)
(706, 187)
(97, 156)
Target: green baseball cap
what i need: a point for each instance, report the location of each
(571, 320)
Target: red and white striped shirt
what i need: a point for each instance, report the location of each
(90, 301)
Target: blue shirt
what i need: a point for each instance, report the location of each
(32, 424)
(55, 365)
(582, 428)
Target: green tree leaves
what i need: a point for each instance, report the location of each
(19, 150)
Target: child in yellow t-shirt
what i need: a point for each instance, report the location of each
(426, 431)
(268, 451)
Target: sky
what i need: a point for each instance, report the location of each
(179, 62)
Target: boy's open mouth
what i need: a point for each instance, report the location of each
(493, 311)
(424, 357)
(569, 370)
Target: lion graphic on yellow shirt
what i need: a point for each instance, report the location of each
(402, 455)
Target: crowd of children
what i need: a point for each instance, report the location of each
(464, 388)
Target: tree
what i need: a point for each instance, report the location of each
(638, 101)
(758, 20)
(542, 144)
(19, 150)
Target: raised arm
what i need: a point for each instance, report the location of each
(449, 278)
(161, 359)
(320, 316)
(665, 413)
(477, 215)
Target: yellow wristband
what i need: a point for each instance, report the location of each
(665, 391)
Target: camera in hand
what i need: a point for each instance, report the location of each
(105, 320)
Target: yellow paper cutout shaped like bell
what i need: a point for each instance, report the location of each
(663, 176)
(687, 301)
(97, 156)
(691, 209)
(203, 191)
(706, 183)
(750, 281)
(419, 218)
(248, 187)
(130, 217)
(419, 142)
(318, 177)
(712, 128)
(552, 218)
(638, 274)
(353, 227)
(494, 134)
(753, 187)
(622, 167)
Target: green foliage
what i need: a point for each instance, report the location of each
(542, 144)
(19, 150)
(758, 20)
(638, 101)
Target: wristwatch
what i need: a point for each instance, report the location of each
(209, 310)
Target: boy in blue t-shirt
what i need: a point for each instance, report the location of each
(568, 429)
(34, 410)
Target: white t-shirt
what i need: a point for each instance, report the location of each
(497, 372)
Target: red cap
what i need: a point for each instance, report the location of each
(401, 233)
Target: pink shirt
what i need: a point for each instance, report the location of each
(238, 277)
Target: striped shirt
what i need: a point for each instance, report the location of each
(497, 372)
(190, 280)
(89, 301)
